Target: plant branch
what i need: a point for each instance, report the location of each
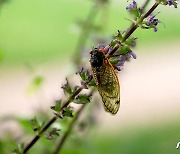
(85, 33)
(51, 121)
(134, 27)
(144, 6)
(71, 125)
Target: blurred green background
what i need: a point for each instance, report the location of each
(45, 32)
(39, 31)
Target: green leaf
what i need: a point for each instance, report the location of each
(124, 50)
(52, 133)
(84, 74)
(68, 112)
(57, 106)
(119, 36)
(136, 12)
(19, 149)
(114, 60)
(82, 99)
(24, 123)
(113, 43)
(92, 83)
(36, 125)
(67, 88)
(36, 84)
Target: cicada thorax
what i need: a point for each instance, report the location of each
(106, 80)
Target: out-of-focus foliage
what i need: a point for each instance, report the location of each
(42, 27)
(36, 84)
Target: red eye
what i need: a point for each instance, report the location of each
(101, 50)
(90, 52)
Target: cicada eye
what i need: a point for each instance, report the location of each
(101, 50)
(90, 52)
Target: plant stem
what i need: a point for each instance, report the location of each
(144, 6)
(134, 27)
(51, 121)
(36, 138)
(85, 33)
(71, 125)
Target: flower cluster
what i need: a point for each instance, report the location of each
(152, 22)
(133, 9)
(169, 2)
(119, 64)
(132, 6)
(119, 57)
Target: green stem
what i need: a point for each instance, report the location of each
(70, 127)
(135, 26)
(66, 134)
(85, 33)
(51, 121)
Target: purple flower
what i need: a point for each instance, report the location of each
(99, 46)
(132, 6)
(123, 58)
(152, 22)
(106, 48)
(170, 2)
(120, 63)
(133, 55)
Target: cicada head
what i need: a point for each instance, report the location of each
(97, 57)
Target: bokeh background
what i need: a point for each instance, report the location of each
(38, 41)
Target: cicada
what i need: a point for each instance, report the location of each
(106, 80)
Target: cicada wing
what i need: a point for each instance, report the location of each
(108, 86)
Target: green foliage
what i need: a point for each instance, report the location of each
(68, 112)
(114, 60)
(124, 50)
(57, 106)
(19, 149)
(68, 89)
(36, 84)
(82, 99)
(52, 133)
(36, 125)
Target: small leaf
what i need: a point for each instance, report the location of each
(36, 125)
(136, 12)
(67, 88)
(19, 149)
(119, 35)
(84, 74)
(114, 60)
(52, 133)
(82, 99)
(92, 83)
(57, 106)
(68, 112)
(36, 84)
(124, 50)
(131, 41)
(113, 43)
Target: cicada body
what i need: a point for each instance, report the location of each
(106, 80)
